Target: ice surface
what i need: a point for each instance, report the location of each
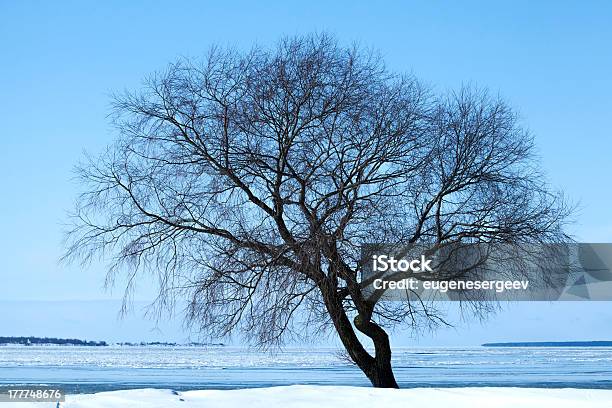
(93, 369)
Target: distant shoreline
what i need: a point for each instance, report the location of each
(551, 344)
(32, 340)
(53, 341)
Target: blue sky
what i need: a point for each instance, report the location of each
(61, 60)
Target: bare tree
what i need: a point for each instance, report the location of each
(249, 181)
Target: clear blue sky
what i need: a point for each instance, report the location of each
(60, 60)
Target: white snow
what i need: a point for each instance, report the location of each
(331, 396)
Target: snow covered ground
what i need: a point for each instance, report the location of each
(332, 396)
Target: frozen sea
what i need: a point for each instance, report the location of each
(92, 369)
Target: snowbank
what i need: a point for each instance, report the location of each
(351, 397)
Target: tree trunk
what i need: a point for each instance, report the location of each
(384, 377)
(378, 369)
(382, 374)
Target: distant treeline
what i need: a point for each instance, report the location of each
(163, 343)
(49, 340)
(552, 344)
(26, 341)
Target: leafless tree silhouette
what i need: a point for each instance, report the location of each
(247, 181)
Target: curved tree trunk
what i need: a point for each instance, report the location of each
(377, 368)
(382, 375)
